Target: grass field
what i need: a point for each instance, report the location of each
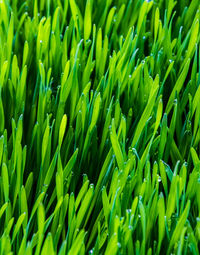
(99, 127)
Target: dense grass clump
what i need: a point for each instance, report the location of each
(99, 127)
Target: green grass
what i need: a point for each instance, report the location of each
(99, 127)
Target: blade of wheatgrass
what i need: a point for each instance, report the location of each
(18, 225)
(88, 19)
(178, 86)
(62, 129)
(177, 232)
(48, 246)
(3, 208)
(147, 111)
(76, 12)
(76, 247)
(109, 20)
(84, 205)
(116, 146)
(5, 179)
(24, 206)
(161, 222)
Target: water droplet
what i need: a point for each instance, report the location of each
(130, 227)
(159, 178)
(139, 216)
(41, 41)
(119, 245)
(144, 37)
(170, 60)
(91, 252)
(130, 76)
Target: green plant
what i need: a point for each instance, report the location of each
(99, 125)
